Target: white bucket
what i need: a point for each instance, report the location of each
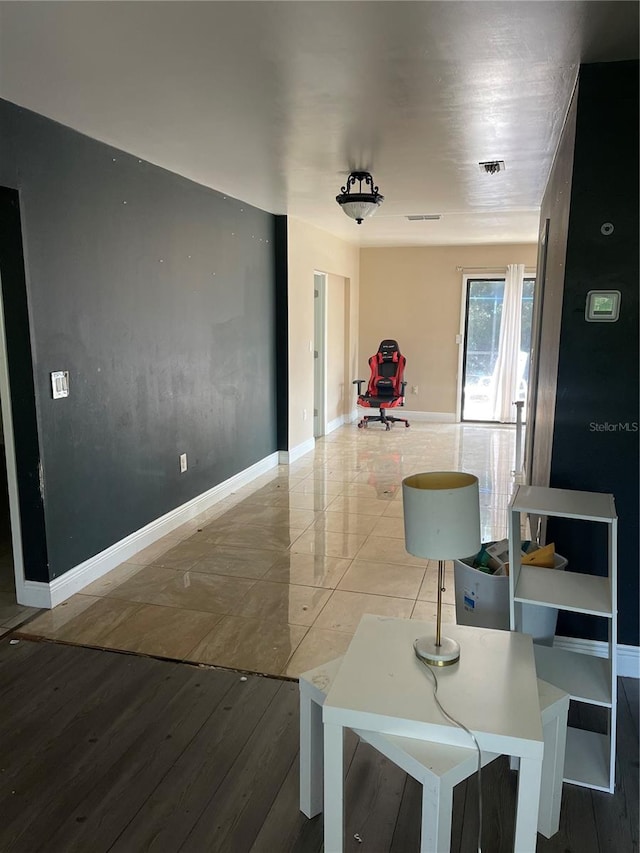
(482, 600)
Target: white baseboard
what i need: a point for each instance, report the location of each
(335, 424)
(627, 657)
(286, 457)
(401, 412)
(35, 594)
(433, 417)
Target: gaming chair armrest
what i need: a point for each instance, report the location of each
(404, 385)
(359, 383)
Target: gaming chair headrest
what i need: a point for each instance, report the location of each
(388, 351)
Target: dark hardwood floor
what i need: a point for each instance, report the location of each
(101, 751)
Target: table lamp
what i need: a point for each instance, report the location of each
(441, 522)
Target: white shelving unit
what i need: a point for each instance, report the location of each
(590, 757)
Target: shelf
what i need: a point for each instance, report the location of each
(588, 506)
(587, 759)
(564, 590)
(584, 677)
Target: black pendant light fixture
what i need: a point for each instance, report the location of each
(356, 203)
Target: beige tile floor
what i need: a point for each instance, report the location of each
(275, 578)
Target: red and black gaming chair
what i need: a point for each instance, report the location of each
(386, 385)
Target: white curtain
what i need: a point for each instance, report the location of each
(509, 364)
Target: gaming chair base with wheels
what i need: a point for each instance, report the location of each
(386, 385)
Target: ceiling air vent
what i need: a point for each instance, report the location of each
(492, 166)
(422, 217)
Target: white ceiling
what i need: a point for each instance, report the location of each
(274, 102)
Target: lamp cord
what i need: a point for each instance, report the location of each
(473, 738)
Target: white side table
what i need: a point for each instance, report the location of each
(437, 767)
(382, 687)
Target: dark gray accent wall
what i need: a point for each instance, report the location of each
(595, 426)
(158, 296)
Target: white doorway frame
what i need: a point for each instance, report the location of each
(320, 353)
(460, 343)
(461, 336)
(534, 364)
(10, 460)
(487, 275)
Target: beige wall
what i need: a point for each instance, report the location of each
(414, 295)
(309, 250)
(337, 339)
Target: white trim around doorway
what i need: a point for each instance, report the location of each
(10, 459)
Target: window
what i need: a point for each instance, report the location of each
(484, 301)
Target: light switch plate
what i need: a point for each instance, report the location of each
(60, 384)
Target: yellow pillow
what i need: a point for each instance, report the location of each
(542, 557)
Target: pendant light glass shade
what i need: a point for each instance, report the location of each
(359, 205)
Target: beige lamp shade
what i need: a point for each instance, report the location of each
(441, 515)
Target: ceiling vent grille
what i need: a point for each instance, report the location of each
(422, 217)
(492, 166)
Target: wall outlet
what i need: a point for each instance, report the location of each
(183, 462)
(414, 389)
(304, 414)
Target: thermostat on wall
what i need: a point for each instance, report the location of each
(603, 306)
